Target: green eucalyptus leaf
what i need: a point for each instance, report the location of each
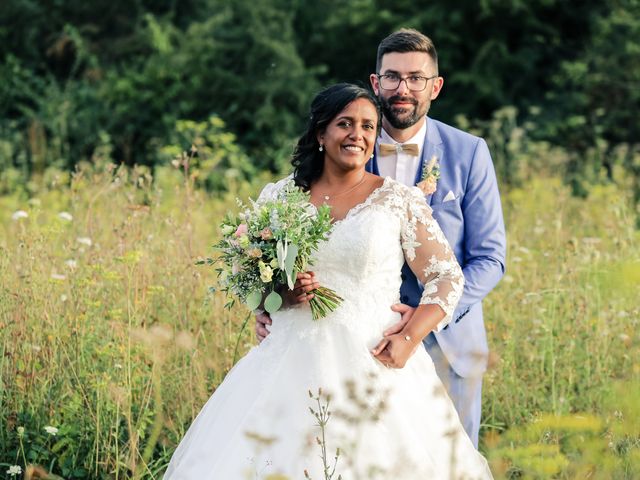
(253, 299)
(292, 253)
(273, 302)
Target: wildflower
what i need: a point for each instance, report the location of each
(226, 230)
(266, 234)
(244, 241)
(65, 216)
(20, 431)
(14, 470)
(57, 276)
(254, 252)
(63, 298)
(84, 241)
(71, 263)
(19, 214)
(430, 175)
(241, 230)
(53, 431)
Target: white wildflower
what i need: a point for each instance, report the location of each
(71, 263)
(65, 216)
(57, 276)
(20, 431)
(51, 430)
(63, 298)
(84, 241)
(19, 214)
(14, 470)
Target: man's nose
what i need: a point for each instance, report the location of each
(403, 88)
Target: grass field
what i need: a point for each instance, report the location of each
(107, 332)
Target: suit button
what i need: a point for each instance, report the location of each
(404, 299)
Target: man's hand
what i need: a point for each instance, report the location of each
(406, 313)
(262, 320)
(305, 283)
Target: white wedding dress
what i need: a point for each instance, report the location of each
(388, 423)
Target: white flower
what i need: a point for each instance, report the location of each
(57, 276)
(19, 214)
(20, 431)
(14, 470)
(65, 216)
(51, 430)
(71, 263)
(84, 241)
(63, 298)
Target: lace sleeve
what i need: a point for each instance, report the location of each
(270, 190)
(430, 257)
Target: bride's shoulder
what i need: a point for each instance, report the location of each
(405, 192)
(270, 190)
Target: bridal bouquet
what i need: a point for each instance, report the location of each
(266, 244)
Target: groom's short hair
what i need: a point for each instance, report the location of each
(406, 40)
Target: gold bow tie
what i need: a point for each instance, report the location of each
(391, 148)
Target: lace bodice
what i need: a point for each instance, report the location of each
(363, 257)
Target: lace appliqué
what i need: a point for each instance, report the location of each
(426, 250)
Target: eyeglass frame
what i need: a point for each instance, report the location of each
(404, 79)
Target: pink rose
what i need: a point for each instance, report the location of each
(241, 230)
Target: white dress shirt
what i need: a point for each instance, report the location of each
(401, 166)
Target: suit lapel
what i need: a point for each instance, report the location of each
(432, 146)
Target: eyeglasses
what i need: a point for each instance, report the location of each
(415, 83)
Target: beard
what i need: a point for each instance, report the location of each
(404, 117)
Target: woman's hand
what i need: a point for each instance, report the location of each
(394, 351)
(305, 283)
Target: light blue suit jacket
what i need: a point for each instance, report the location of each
(474, 227)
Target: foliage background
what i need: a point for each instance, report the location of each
(114, 340)
(76, 78)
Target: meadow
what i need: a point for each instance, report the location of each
(110, 340)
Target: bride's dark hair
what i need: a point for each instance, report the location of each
(307, 160)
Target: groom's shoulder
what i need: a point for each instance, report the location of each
(454, 135)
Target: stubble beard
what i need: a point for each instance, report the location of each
(393, 116)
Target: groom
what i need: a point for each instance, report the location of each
(466, 204)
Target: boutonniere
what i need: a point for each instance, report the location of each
(430, 175)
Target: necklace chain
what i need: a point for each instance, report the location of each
(328, 197)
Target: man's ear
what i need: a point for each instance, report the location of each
(438, 82)
(373, 78)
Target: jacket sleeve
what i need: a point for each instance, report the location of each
(484, 249)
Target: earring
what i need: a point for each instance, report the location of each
(320, 148)
(373, 154)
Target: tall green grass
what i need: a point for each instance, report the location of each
(108, 334)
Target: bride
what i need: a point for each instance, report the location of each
(319, 399)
